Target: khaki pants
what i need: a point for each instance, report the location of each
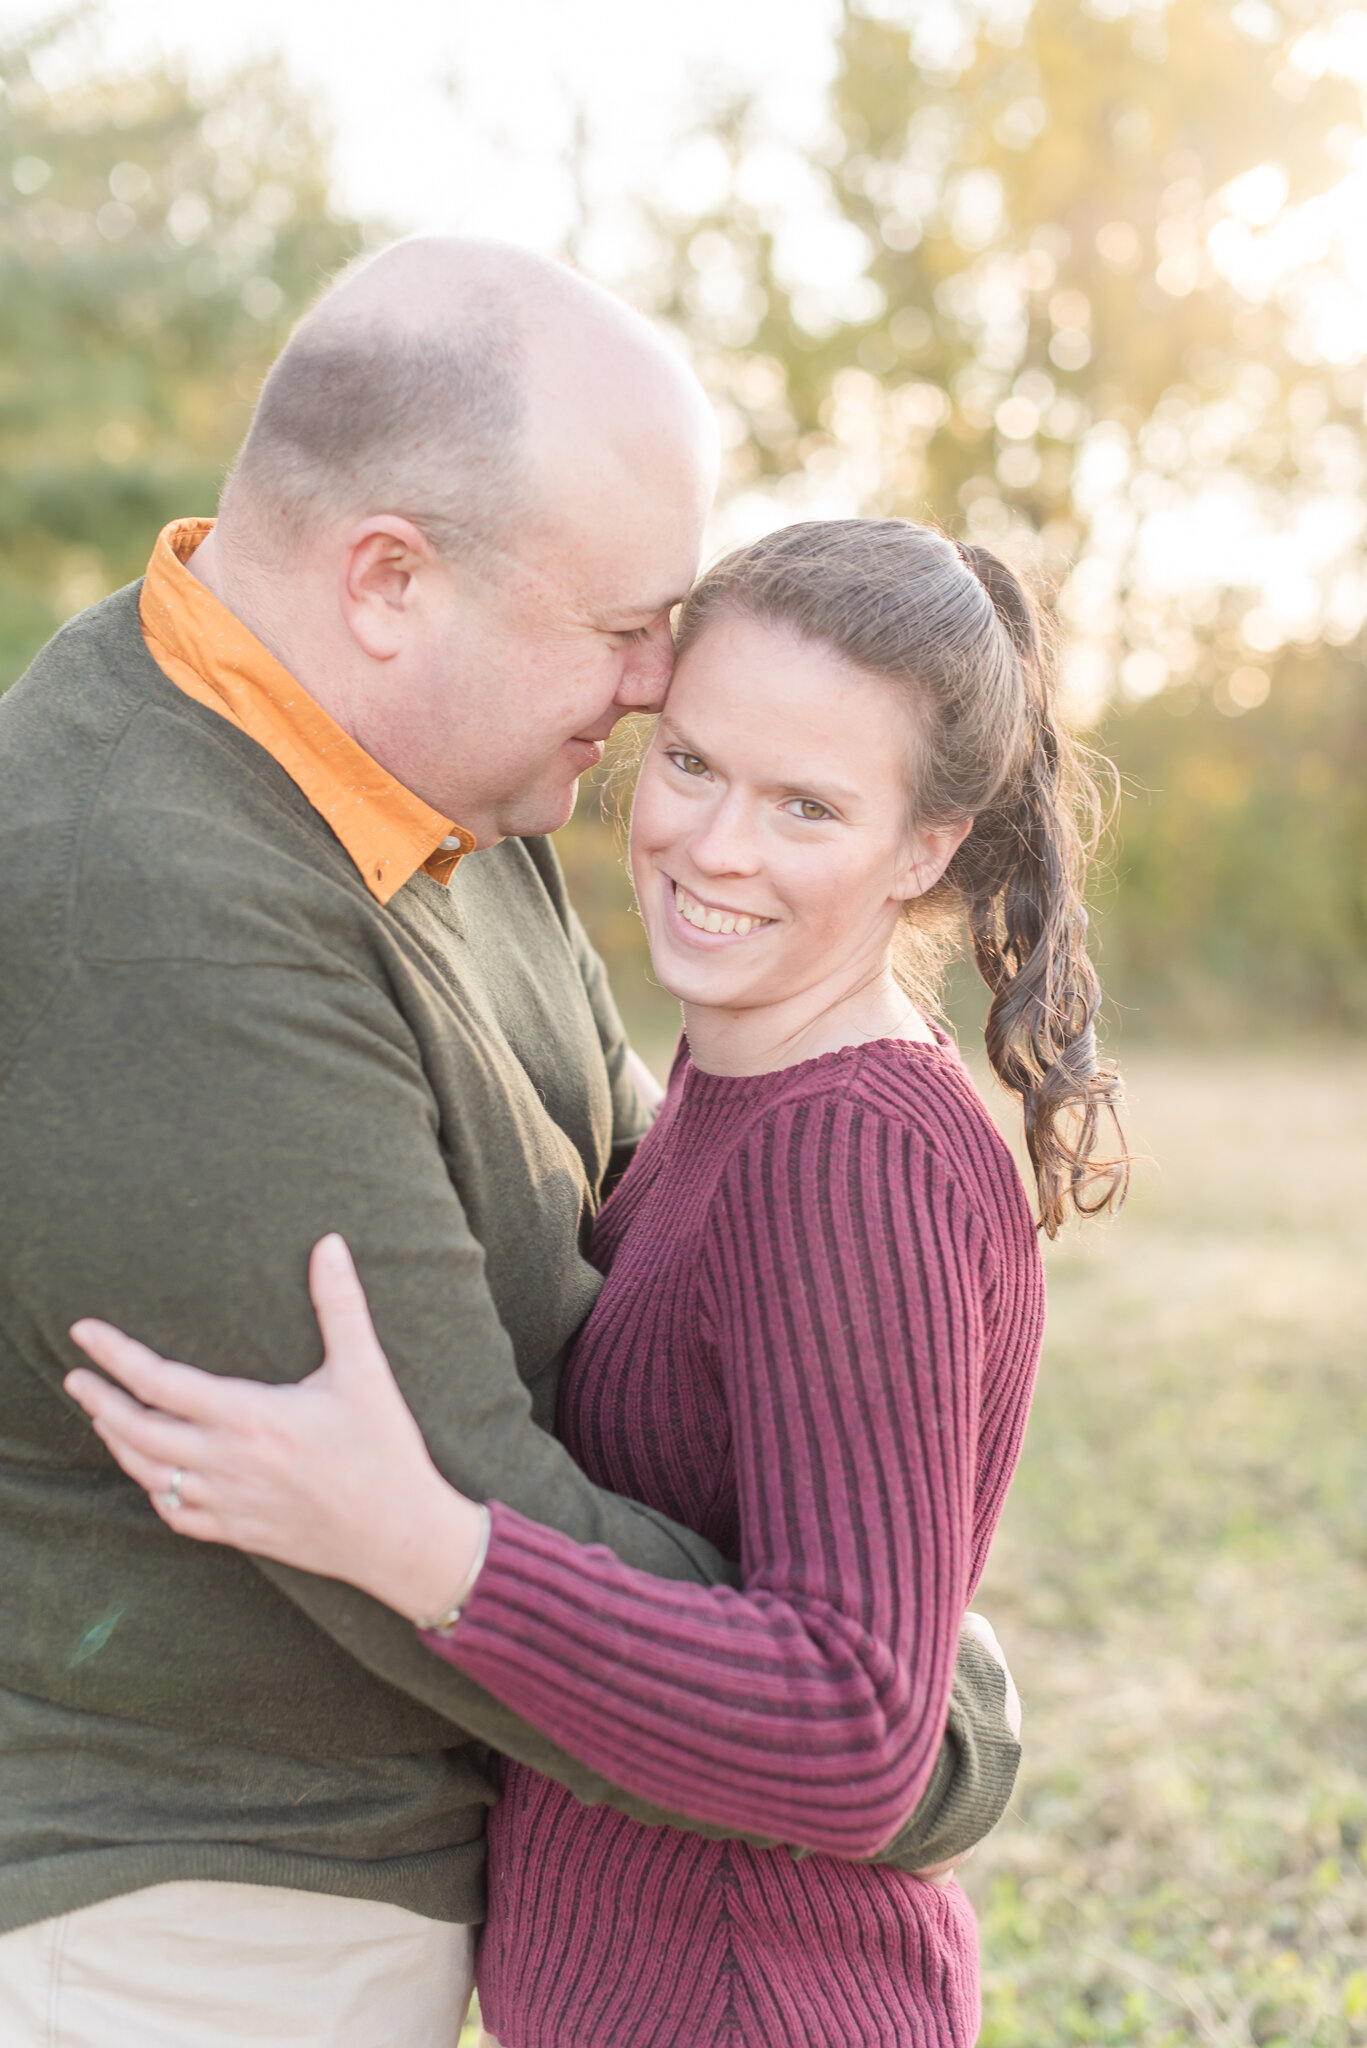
(193, 1965)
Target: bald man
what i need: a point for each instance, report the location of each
(285, 950)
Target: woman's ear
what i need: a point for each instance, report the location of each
(932, 848)
(381, 560)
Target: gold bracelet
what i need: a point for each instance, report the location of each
(449, 1616)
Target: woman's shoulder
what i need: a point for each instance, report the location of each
(916, 1095)
(923, 1084)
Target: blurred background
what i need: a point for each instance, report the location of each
(1085, 282)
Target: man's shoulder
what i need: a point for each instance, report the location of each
(73, 698)
(136, 823)
(95, 715)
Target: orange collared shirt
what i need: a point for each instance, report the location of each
(197, 642)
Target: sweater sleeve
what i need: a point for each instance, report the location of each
(842, 1286)
(178, 1192)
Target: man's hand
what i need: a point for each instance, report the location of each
(330, 1475)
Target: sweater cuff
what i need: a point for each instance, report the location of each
(513, 1548)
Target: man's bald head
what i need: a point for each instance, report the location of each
(453, 383)
(474, 488)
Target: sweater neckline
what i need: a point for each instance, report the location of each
(698, 1082)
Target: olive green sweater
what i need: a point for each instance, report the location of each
(215, 1045)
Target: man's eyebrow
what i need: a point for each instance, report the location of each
(648, 610)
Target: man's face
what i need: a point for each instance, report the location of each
(516, 679)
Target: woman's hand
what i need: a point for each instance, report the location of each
(331, 1475)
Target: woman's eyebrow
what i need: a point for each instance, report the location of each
(670, 729)
(838, 796)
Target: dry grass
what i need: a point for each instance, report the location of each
(1181, 1583)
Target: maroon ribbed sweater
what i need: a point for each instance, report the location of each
(815, 1344)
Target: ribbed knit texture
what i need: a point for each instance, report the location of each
(815, 1345)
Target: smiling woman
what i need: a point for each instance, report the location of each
(892, 755)
(772, 850)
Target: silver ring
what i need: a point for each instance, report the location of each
(171, 1498)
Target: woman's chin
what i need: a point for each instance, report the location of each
(684, 987)
(708, 984)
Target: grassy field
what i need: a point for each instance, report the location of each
(1181, 1584)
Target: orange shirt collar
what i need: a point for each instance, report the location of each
(197, 642)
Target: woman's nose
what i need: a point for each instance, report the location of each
(725, 844)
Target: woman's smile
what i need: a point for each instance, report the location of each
(711, 920)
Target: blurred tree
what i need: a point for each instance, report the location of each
(1086, 281)
(154, 248)
(1240, 894)
(1067, 278)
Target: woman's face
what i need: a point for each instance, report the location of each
(769, 839)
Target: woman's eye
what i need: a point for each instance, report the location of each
(807, 807)
(691, 764)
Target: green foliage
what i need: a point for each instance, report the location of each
(153, 252)
(1239, 890)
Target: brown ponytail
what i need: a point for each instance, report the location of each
(1021, 874)
(955, 630)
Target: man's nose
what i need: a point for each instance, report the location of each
(646, 671)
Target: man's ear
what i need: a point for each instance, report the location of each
(932, 848)
(382, 558)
